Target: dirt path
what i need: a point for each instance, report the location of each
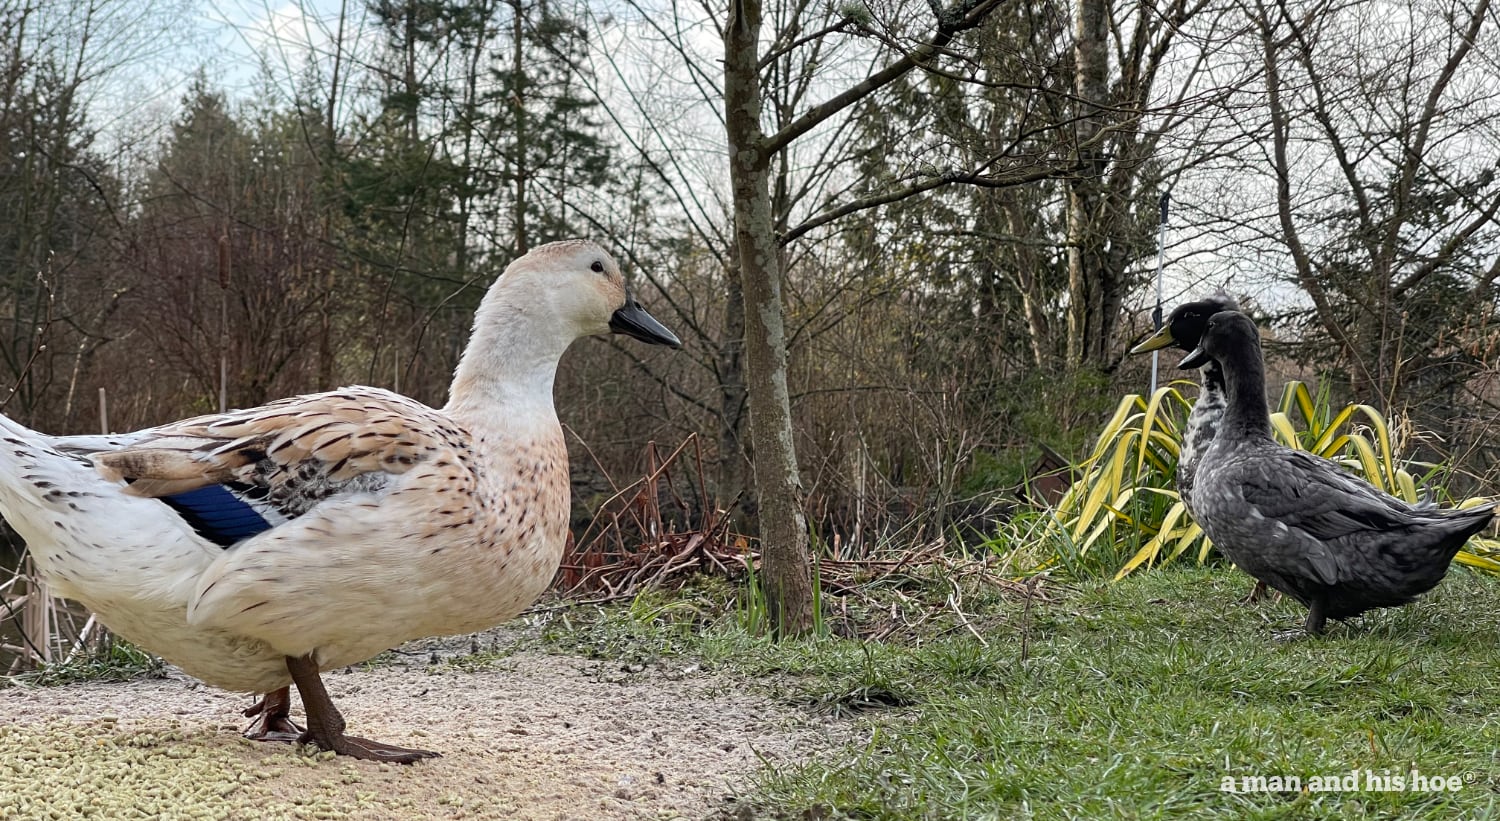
(536, 736)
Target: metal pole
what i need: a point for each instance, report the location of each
(1156, 316)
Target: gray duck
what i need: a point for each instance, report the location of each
(1297, 521)
(1182, 330)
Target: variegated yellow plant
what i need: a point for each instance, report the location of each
(1125, 488)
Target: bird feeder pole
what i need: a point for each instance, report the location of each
(1161, 246)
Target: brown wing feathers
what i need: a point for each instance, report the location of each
(335, 437)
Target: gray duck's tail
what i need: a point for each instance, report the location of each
(1469, 521)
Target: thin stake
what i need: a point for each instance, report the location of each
(1161, 246)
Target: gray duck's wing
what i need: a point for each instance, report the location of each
(1324, 501)
(1301, 507)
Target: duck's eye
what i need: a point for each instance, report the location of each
(597, 267)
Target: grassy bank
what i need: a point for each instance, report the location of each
(1135, 699)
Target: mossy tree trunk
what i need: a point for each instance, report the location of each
(786, 576)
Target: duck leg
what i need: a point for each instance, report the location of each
(325, 725)
(272, 716)
(1316, 617)
(1256, 593)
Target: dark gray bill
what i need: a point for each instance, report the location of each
(632, 320)
(1197, 359)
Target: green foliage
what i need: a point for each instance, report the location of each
(1036, 408)
(1125, 495)
(490, 157)
(1124, 488)
(1057, 408)
(989, 470)
(755, 608)
(873, 685)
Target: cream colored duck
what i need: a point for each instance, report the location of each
(257, 548)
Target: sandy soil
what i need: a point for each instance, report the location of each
(534, 736)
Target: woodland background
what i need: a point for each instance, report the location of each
(967, 247)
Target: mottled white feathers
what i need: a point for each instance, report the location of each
(333, 525)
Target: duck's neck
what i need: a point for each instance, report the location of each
(1244, 375)
(507, 370)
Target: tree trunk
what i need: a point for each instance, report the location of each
(1086, 286)
(783, 532)
(518, 94)
(1027, 276)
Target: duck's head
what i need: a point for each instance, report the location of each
(1226, 334)
(1184, 327)
(578, 284)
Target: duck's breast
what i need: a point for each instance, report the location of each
(1202, 425)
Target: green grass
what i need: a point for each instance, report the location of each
(1134, 701)
(113, 660)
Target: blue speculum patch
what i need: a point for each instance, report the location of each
(217, 514)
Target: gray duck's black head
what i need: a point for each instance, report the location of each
(1227, 334)
(1184, 326)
